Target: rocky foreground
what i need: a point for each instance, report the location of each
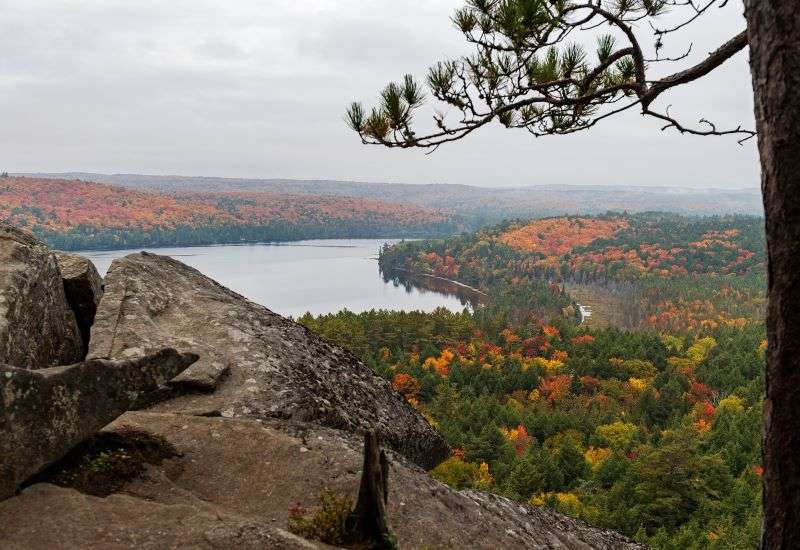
(253, 363)
(240, 415)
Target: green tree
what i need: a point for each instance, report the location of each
(538, 471)
(490, 447)
(673, 481)
(572, 463)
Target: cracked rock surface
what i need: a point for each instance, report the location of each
(37, 326)
(83, 287)
(236, 480)
(259, 364)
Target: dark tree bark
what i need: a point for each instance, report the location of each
(373, 496)
(774, 37)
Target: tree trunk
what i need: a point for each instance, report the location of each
(373, 496)
(774, 37)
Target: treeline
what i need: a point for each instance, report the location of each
(93, 238)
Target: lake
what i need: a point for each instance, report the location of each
(320, 276)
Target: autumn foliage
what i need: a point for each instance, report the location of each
(653, 430)
(407, 385)
(558, 236)
(661, 271)
(79, 208)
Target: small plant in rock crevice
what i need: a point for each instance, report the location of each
(102, 465)
(332, 523)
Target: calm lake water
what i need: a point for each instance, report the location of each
(320, 276)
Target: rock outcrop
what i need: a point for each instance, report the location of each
(46, 412)
(37, 326)
(83, 287)
(248, 475)
(275, 368)
(265, 418)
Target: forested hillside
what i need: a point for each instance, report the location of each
(499, 201)
(653, 431)
(669, 271)
(74, 214)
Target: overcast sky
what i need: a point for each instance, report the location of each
(258, 88)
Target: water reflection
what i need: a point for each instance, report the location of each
(413, 283)
(320, 276)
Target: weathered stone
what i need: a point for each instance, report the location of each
(83, 287)
(44, 413)
(203, 376)
(37, 326)
(248, 472)
(278, 369)
(46, 516)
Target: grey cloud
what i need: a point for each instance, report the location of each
(257, 88)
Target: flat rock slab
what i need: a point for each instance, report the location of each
(256, 471)
(275, 368)
(45, 413)
(203, 376)
(83, 287)
(37, 327)
(46, 516)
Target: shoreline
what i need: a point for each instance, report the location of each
(451, 281)
(296, 243)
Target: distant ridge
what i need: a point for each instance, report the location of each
(482, 204)
(74, 214)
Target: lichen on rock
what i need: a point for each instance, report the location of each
(46, 412)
